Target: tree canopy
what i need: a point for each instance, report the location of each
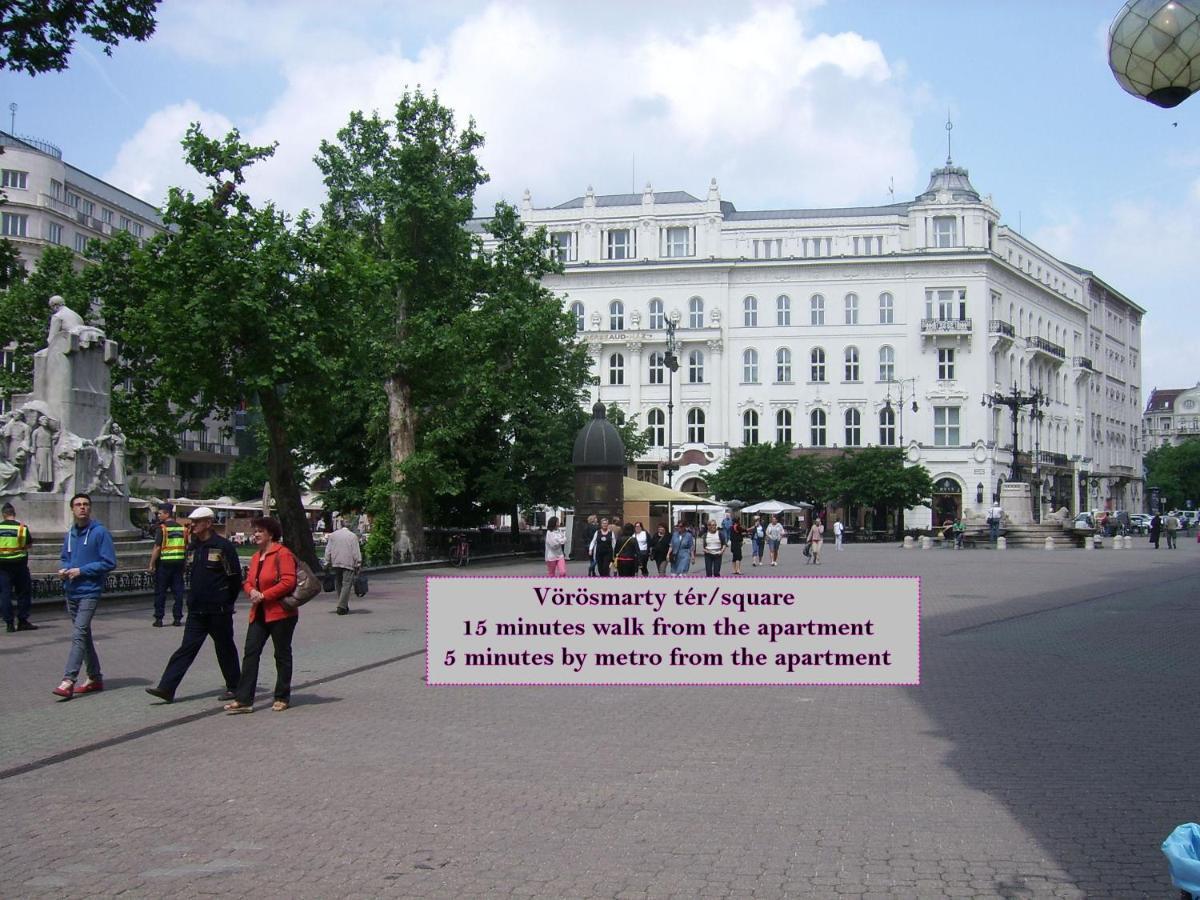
(36, 36)
(1175, 471)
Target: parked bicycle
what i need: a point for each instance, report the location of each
(460, 550)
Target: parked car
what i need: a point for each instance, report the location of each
(1084, 522)
(1139, 523)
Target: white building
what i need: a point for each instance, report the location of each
(1172, 416)
(50, 202)
(822, 327)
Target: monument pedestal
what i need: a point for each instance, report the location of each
(1017, 502)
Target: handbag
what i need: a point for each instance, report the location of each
(329, 581)
(307, 586)
(360, 584)
(808, 549)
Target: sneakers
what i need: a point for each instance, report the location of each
(158, 623)
(160, 694)
(91, 686)
(26, 625)
(65, 689)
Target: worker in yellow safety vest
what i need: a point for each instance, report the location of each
(166, 562)
(14, 571)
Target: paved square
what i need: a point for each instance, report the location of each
(1048, 751)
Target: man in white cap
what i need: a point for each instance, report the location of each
(214, 582)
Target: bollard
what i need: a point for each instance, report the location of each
(1001, 543)
(1088, 544)
(908, 542)
(926, 542)
(1098, 541)
(1116, 542)
(1049, 545)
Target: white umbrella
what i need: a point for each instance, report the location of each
(775, 507)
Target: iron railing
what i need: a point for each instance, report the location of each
(1040, 343)
(999, 326)
(945, 326)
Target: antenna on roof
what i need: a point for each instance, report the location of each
(633, 175)
(892, 188)
(949, 128)
(12, 119)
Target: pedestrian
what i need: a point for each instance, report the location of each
(1155, 529)
(714, 549)
(774, 537)
(270, 578)
(737, 536)
(593, 525)
(166, 564)
(838, 528)
(959, 529)
(727, 525)
(1171, 527)
(627, 552)
(995, 517)
(683, 545)
(344, 555)
(14, 571)
(87, 557)
(758, 537)
(556, 554)
(603, 548)
(643, 542)
(660, 548)
(214, 577)
(816, 538)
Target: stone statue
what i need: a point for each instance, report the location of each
(14, 438)
(110, 454)
(63, 319)
(41, 442)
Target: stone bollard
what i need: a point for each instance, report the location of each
(926, 542)
(1127, 543)
(1088, 543)
(1098, 541)
(1116, 542)
(1049, 545)
(1001, 543)
(908, 542)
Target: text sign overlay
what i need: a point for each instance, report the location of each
(673, 631)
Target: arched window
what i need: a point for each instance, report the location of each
(817, 428)
(817, 358)
(577, 312)
(695, 313)
(750, 312)
(695, 426)
(658, 363)
(853, 428)
(616, 315)
(783, 310)
(657, 318)
(851, 364)
(852, 309)
(886, 309)
(887, 363)
(749, 427)
(750, 367)
(783, 427)
(696, 367)
(616, 369)
(783, 365)
(816, 310)
(887, 427)
(656, 428)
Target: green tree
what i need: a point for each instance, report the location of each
(877, 478)
(36, 36)
(765, 472)
(1175, 471)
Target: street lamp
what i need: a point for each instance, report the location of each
(1153, 48)
(671, 361)
(887, 404)
(1035, 400)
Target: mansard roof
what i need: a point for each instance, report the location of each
(1163, 399)
(631, 199)
(952, 179)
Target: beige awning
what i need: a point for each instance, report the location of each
(648, 492)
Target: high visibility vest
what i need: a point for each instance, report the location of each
(14, 541)
(174, 543)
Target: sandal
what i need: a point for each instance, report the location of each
(280, 705)
(235, 708)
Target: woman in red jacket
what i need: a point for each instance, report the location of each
(271, 577)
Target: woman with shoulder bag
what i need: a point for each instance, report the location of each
(627, 553)
(270, 578)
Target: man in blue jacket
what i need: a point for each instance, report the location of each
(87, 557)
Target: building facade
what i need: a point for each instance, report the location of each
(1172, 415)
(49, 202)
(838, 328)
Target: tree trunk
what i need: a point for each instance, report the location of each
(408, 538)
(281, 468)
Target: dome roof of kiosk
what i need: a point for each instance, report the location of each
(599, 444)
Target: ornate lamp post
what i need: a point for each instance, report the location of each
(671, 361)
(1035, 400)
(1153, 50)
(887, 404)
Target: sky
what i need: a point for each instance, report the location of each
(786, 104)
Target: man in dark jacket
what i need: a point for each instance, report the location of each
(214, 582)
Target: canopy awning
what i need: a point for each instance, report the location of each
(774, 507)
(648, 492)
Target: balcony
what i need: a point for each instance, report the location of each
(209, 447)
(74, 213)
(1082, 362)
(1037, 344)
(945, 326)
(1046, 458)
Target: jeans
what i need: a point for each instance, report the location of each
(83, 650)
(344, 581)
(168, 576)
(14, 579)
(200, 625)
(1170, 540)
(712, 565)
(994, 531)
(280, 632)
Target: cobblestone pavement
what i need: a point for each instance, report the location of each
(1045, 754)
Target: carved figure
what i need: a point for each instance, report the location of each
(110, 453)
(63, 319)
(42, 445)
(14, 438)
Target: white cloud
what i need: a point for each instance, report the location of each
(780, 116)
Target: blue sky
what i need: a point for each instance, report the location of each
(786, 104)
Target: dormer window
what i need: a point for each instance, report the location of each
(945, 231)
